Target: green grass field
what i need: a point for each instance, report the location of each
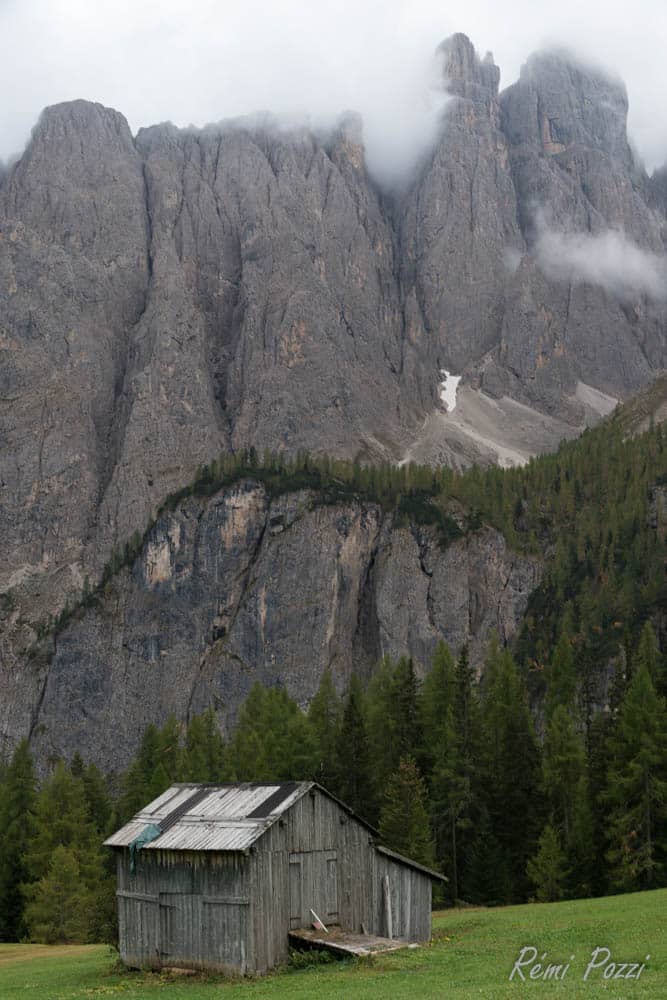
(472, 955)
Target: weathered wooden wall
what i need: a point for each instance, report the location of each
(316, 857)
(410, 892)
(187, 908)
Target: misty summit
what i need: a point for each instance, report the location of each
(218, 876)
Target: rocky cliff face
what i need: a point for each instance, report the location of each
(570, 316)
(170, 296)
(240, 588)
(459, 220)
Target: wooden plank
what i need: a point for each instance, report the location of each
(143, 896)
(295, 890)
(226, 900)
(345, 943)
(388, 916)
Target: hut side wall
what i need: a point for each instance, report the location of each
(410, 892)
(317, 856)
(189, 909)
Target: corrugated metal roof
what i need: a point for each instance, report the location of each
(220, 818)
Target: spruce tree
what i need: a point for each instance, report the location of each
(438, 754)
(325, 717)
(136, 782)
(169, 749)
(436, 708)
(598, 737)
(486, 879)
(564, 766)
(404, 824)
(561, 677)
(456, 778)
(204, 753)
(353, 757)
(648, 655)
(393, 716)
(158, 784)
(98, 799)
(18, 792)
(637, 787)
(547, 869)
(512, 766)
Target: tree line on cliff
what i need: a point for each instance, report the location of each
(455, 772)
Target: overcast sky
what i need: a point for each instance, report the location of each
(197, 61)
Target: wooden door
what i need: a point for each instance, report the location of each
(179, 926)
(138, 928)
(313, 878)
(225, 932)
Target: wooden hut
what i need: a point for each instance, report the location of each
(217, 876)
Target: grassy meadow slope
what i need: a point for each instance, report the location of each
(472, 955)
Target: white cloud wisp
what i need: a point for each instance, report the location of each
(609, 260)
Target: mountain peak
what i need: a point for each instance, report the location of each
(79, 117)
(560, 101)
(462, 69)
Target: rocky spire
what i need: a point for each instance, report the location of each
(558, 102)
(467, 76)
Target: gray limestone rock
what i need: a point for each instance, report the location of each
(459, 220)
(238, 589)
(575, 175)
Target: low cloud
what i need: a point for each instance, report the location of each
(609, 260)
(160, 60)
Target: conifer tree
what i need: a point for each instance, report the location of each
(169, 749)
(353, 756)
(436, 705)
(18, 791)
(486, 879)
(325, 718)
(637, 786)
(204, 752)
(98, 799)
(511, 765)
(597, 742)
(547, 869)
(136, 782)
(393, 716)
(158, 784)
(648, 655)
(405, 708)
(60, 906)
(61, 818)
(561, 677)
(272, 740)
(564, 767)
(77, 766)
(404, 824)
(438, 753)
(457, 774)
